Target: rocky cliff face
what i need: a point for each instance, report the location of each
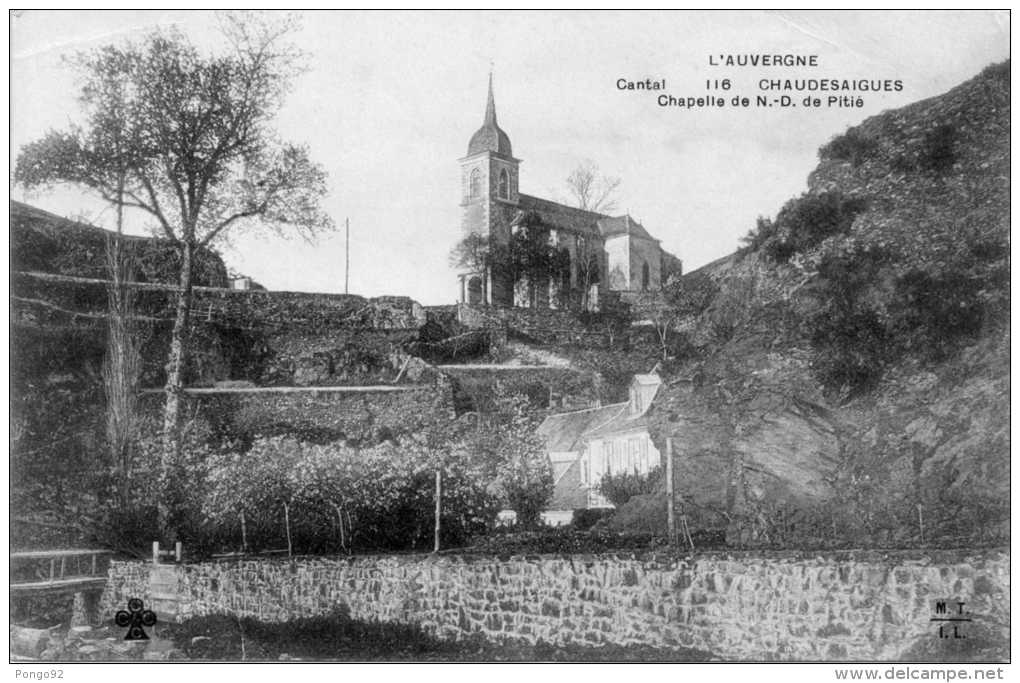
(768, 444)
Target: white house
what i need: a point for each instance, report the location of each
(585, 445)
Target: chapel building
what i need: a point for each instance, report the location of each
(606, 253)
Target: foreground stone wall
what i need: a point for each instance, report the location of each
(739, 606)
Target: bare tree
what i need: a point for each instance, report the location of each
(199, 154)
(587, 257)
(664, 315)
(592, 190)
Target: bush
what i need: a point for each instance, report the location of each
(938, 150)
(851, 146)
(586, 518)
(850, 350)
(803, 223)
(619, 488)
(875, 308)
(933, 313)
(336, 495)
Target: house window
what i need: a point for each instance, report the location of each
(645, 276)
(475, 184)
(504, 185)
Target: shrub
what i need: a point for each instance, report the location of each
(850, 350)
(850, 341)
(803, 223)
(763, 231)
(938, 150)
(932, 313)
(619, 488)
(852, 146)
(586, 518)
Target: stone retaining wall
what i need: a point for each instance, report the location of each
(544, 325)
(739, 606)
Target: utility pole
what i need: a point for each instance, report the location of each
(670, 495)
(347, 253)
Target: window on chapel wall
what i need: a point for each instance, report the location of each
(645, 276)
(504, 185)
(475, 184)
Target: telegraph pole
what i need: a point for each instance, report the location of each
(347, 252)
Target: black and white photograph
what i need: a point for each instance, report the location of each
(494, 337)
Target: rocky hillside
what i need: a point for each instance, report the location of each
(849, 378)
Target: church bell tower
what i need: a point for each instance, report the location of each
(489, 182)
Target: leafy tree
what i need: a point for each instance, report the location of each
(533, 260)
(515, 461)
(473, 253)
(591, 190)
(195, 152)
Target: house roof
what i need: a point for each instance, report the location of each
(561, 216)
(568, 491)
(621, 423)
(623, 225)
(567, 432)
(563, 432)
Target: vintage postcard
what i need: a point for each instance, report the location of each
(511, 336)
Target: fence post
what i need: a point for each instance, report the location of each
(155, 552)
(670, 495)
(439, 498)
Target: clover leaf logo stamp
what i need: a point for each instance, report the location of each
(135, 619)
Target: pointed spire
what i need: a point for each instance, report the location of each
(490, 138)
(490, 106)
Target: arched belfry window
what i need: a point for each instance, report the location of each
(645, 276)
(475, 184)
(504, 184)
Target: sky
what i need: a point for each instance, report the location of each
(390, 99)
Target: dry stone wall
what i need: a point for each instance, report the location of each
(738, 606)
(544, 325)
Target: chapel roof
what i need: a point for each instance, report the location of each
(560, 216)
(623, 225)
